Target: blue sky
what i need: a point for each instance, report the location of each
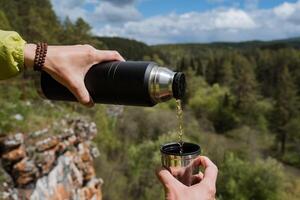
(159, 7)
(178, 21)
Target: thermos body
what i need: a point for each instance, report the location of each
(125, 83)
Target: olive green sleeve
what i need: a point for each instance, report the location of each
(11, 54)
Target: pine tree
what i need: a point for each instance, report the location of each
(199, 68)
(211, 71)
(225, 73)
(34, 20)
(245, 85)
(286, 107)
(182, 65)
(192, 64)
(202, 67)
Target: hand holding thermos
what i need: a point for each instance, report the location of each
(69, 65)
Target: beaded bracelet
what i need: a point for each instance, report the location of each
(40, 56)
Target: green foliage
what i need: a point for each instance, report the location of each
(33, 19)
(207, 100)
(292, 188)
(78, 32)
(4, 23)
(286, 106)
(149, 127)
(215, 103)
(226, 73)
(260, 114)
(261, 180)
(245, 85)
(225, 119)
(144, 159)
(293, 127)
(293, 142)
(130, 49)
(193, 83)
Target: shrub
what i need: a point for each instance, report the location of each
(243, 180)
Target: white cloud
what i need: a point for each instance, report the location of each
(233, 19)
(285, 10)
(289, 13)
(226, 24)
(71, 8)
(193, 26)
(120, 2)
(107, 12)
(219, 24)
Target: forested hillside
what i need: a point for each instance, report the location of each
(242, 106)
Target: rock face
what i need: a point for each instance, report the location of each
(54, 167)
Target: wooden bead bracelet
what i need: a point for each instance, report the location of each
(40, 56)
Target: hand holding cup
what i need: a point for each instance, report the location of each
(203, 184)
(180, 175)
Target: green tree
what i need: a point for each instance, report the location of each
(242, 180)
(206, 100)
(265, 71)
(286, 105)
(245, 85)
(4, 23)
(192, 64)
(10, 9)
(35, 20)
(211, 71)
(225, 73)
(225, 119)
(292, 156)
(181, 66)
(67, 34)
(201, 67)
(81, 32)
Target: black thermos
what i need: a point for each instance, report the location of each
(125, 83)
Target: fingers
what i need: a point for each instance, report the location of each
(166, 178)
(197, 178)
(81, 93)
(210, 172)
(105, 55)
(197, 162)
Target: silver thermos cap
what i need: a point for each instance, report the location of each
(165, 84)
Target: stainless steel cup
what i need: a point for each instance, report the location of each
(181, 164)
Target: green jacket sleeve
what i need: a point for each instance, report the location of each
(11, 54)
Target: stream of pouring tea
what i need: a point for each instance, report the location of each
(180, 123)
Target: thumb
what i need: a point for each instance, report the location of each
(166, 178)
(81, 93)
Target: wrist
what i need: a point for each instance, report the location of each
(29, 54)
(49, 60)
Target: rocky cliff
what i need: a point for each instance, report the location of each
(44, 165)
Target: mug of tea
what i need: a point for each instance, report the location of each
(180, 160)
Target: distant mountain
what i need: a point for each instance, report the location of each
(136, 50)
(294, 39)
(274, 44)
